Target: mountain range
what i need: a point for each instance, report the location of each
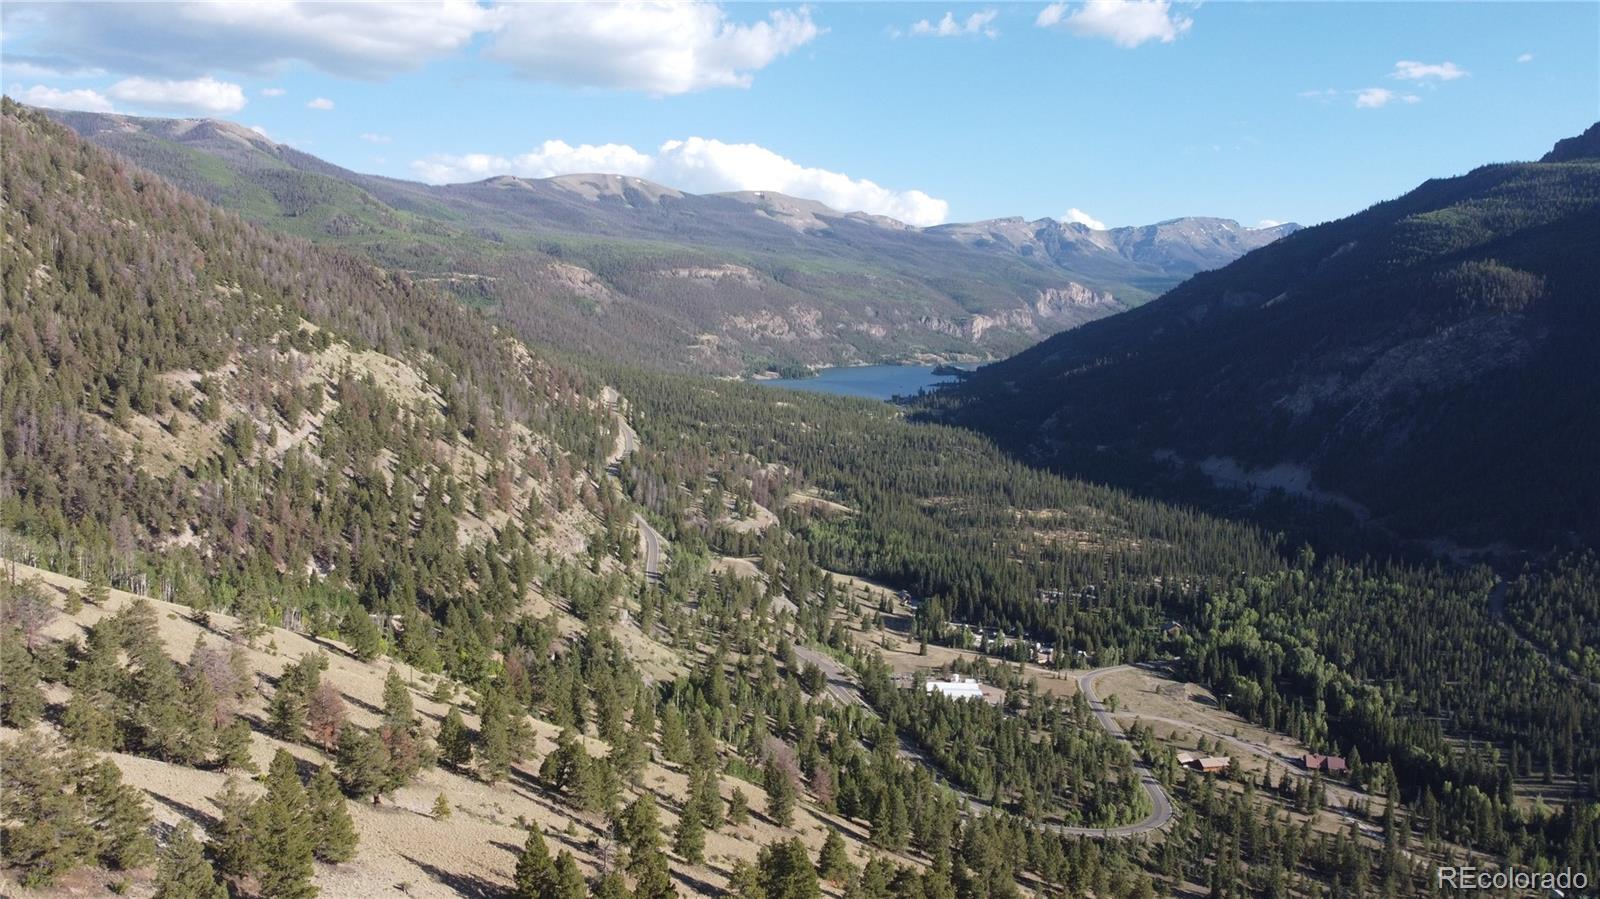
(1428, 364)
(731, 283)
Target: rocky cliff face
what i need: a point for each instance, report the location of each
(1177, 247)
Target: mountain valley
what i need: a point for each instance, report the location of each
(360, 537)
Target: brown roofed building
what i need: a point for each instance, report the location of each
(1331, 764)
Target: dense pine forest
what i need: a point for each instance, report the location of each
(317, 579)
(1401, 664)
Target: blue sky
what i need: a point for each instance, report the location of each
(1124, 111)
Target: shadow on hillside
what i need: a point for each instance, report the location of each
(462, 884)
(201, 819)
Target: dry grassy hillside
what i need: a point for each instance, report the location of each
(404, 848)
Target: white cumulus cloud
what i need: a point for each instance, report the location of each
(698, 165)
(206, 96)
(1126, 23)
(977, 24)
(705, 165)
(322, 103)
(1267, 223)
(554, 157)
(1079, 217)
(82, 99)
(1411, 70)
(176, 39)
(1526, 57)
(1375, 97)
(657, 47)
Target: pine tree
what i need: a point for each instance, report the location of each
(833, 861)
(494, 738)
(184, 872)
(398, 711)
(99, 590)
(780, 792)
(674, 739)
(567, 881)
(232, 845)
(21, 700)
(786, 871)
(441, 808)
(233, 747)
(335, 832)
(610, 886)
(140, 630)
(652, 877)
(88, 721)
(689, 839)
(639, 827)
(284, 834)
(564, 768)
(119, 815)
(366, 641)
(49, 833)
(535, 871)
(744, 881)
(455, 744)
(200, 721)
(738, 808)
(361, 764)
(287, 714)
(640, 831)
(704, 793)
(157, 715)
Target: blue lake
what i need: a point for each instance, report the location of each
(876, 382)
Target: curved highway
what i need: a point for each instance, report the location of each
(1160, 803)
(650, 539)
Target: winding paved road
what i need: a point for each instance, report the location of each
(839, 685)
(651, 542)
(1160, 804)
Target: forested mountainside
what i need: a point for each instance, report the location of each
(720, 284)
(176, 378)
(1427, 363)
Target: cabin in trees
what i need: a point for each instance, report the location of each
(1328, 764)
(1205, 764)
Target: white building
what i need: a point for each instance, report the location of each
(957, 687)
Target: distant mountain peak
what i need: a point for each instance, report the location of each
(599, 185)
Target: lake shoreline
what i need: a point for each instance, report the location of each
(880, 382)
